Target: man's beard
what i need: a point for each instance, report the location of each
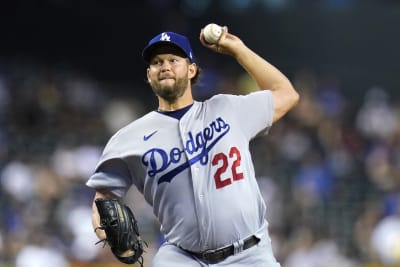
(170, 92)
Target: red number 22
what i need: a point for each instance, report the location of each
(221, 157)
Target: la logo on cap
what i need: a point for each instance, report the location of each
(178, 40)
(165, 37)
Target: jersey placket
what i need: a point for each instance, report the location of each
(197, 172)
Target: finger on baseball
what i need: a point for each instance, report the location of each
(201, 36)
(203, 41)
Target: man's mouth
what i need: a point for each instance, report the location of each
(166, 78)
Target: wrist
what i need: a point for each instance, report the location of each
(243, 54)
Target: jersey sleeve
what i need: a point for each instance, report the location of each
(120, 164)
(254, 111)
(112, 172)
(113, 175)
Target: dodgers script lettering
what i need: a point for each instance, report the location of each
(197, 146)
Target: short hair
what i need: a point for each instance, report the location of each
(197, 76)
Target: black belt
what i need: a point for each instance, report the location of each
(215, 256)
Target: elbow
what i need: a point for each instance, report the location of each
(294, 97)
(289, 94)
(284, 100)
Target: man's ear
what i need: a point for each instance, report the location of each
(192, 70)
(148, 75)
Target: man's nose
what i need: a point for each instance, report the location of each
(165, 65)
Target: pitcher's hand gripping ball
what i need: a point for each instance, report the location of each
(212, 32)
(122, 233)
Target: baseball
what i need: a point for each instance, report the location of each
(212, 32)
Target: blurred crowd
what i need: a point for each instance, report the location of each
(329, 171)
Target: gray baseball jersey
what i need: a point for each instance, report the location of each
(195, 172)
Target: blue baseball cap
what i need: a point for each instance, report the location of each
(178, 40)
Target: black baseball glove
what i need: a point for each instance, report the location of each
(122, 233)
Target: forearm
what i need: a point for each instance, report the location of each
(268, 77)
(265, 74)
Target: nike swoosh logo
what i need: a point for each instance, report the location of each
(147, 137)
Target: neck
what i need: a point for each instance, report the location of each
(181, 102)
(173, 106)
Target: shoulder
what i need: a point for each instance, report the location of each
(220, 100)
(137, 126)
(130, 135)
(229, 99)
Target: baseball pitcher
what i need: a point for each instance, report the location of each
(191, 161)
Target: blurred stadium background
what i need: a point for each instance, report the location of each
(71, 74)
